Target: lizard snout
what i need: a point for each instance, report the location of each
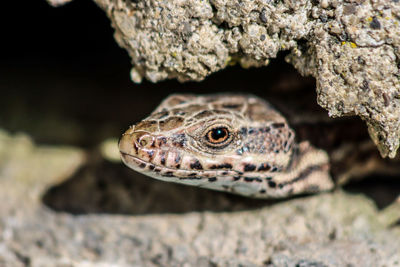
(132, 141)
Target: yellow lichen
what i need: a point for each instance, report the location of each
(352, 45)
(231, 61)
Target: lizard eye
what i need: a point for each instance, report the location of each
(218, 137)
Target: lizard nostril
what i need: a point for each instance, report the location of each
(143, 142)
(146, 140)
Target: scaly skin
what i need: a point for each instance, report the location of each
(234, 143)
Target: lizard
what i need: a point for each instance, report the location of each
(240, 143)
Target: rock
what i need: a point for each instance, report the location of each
(150, 223)
(350, 47)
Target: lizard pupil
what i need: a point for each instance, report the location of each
(218, 135)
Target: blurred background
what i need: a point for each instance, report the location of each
(65, 81)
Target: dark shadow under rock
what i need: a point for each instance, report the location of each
(382, 190)
(106, 187)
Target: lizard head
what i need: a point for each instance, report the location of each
(236, 143)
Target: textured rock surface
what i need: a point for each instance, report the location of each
(350, 47)
(205, 229)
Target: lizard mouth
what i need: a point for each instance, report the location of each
(141, 165)
(211, 179)
(166, 173)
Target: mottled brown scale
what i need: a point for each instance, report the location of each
(239, 144)
(171, 123)
(148, 126)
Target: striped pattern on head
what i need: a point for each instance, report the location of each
(234, 143)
